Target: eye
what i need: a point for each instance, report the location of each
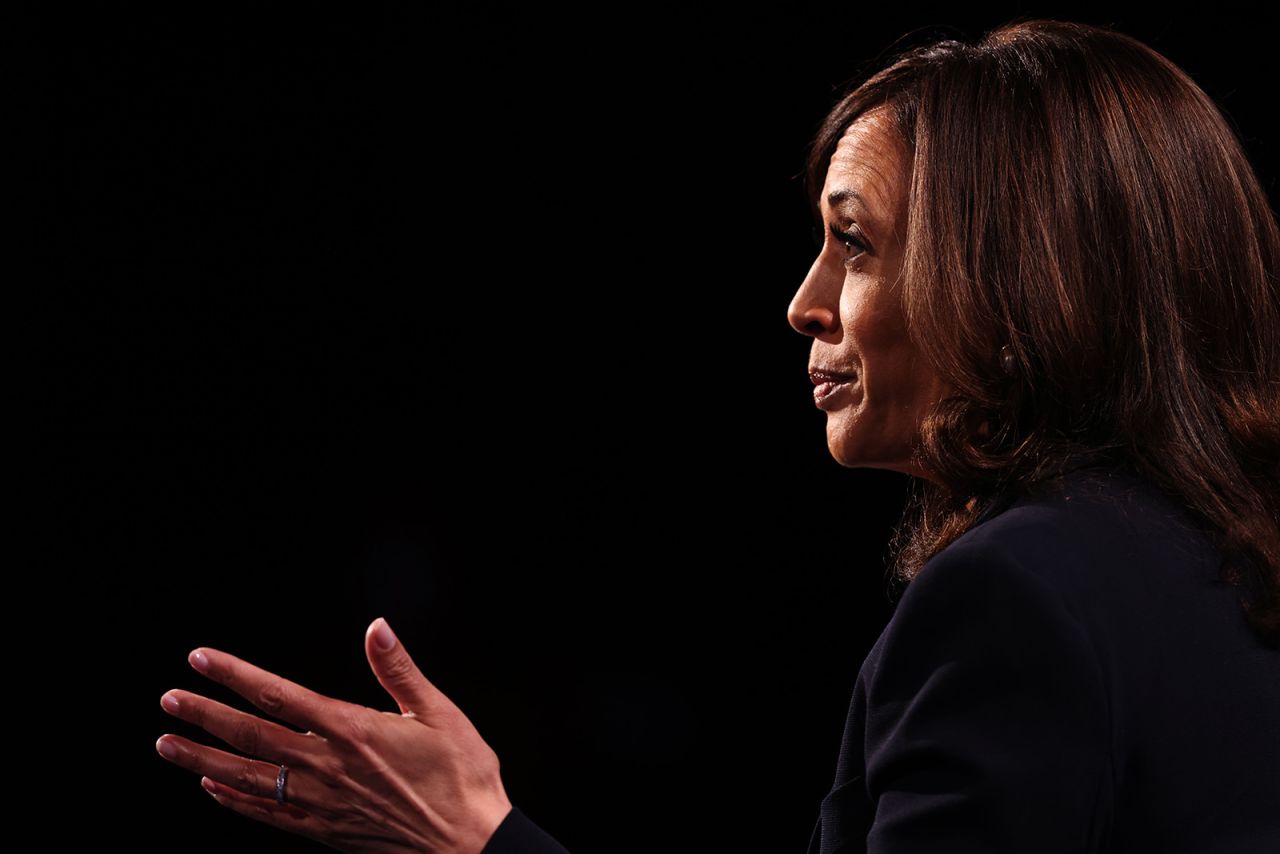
(850, 241)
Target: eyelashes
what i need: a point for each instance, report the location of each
(849, 240)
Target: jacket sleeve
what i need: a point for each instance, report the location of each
(519, 835)
(987, 720)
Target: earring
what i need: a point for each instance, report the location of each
(1006, 360)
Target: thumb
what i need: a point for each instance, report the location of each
(397, 672)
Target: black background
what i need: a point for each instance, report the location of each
(476, 322)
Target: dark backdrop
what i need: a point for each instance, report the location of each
(478, 323)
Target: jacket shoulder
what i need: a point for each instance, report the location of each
(981, 715)
(1094, 534)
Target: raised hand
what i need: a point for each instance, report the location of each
(358, 779)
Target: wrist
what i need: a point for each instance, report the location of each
(486, 822)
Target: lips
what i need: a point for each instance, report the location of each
(822, 375)
(827, 384)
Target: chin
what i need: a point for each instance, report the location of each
(854, 458)
(849, 450)
(847, 457)
(839, 456)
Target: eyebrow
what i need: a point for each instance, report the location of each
(838, 197)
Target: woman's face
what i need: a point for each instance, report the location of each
(877, 386)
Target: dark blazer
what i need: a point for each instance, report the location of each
(517, 834)
(1067, 676)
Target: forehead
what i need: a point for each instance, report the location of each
(868, 168)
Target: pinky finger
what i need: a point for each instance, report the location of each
(284, 816)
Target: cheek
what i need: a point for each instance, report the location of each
(871, 319)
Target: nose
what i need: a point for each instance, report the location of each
(815, 308)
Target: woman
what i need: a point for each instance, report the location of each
(1049, 289)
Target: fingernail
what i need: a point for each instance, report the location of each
(198, 660)
(166, 748)
(208, 785)
(382, 635)
(170, 703)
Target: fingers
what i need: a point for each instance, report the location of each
(397, 672)
(287, 817)
(273, 694)
(245, 732)
(248, 776)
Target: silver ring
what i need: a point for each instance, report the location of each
(284, 771)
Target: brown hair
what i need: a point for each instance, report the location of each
(1077, 197)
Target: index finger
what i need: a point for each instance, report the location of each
(274, 694)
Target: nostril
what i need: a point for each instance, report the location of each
(813, 320)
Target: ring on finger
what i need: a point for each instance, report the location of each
(280, 778)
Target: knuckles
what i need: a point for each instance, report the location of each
(246, 778)
(247, 736)
(354, 725)
(399, 668)
(272, 698)
(325, 768)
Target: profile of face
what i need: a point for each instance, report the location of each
(872, 382)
